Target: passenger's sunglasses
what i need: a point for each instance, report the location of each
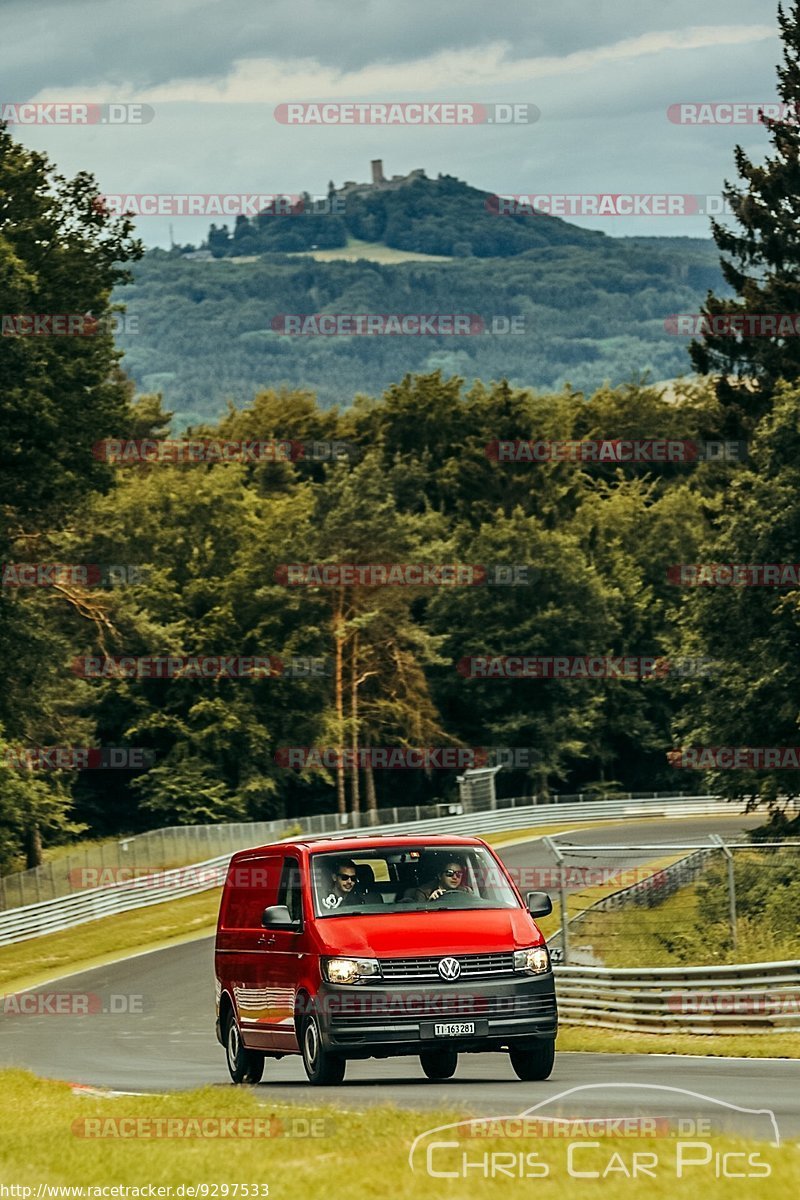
(352, 878)
(454, 874)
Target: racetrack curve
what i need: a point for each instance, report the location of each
(162, 1038)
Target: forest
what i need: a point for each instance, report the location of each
(345, 579)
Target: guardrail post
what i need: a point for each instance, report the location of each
(717, 840)
(562, 895)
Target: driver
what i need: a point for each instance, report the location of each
(343, 893)
(449, 879)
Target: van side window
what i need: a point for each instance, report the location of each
(289, 890)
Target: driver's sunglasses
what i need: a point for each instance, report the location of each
(352, 878)
(454, 873)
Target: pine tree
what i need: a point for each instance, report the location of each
(760, 260)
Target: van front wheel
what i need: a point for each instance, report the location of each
(439, 1063)
(322, 1067)
(245, 1066)
(534, 1059)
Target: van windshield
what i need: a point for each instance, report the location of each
(402, 879)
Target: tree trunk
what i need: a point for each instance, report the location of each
(372, 800)
(33, 845)
(355, 797)
(338, 632)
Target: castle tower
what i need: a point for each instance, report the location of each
(377, 171)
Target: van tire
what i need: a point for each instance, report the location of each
(322, 1068)
(534, 1059)
(440, 1063)
(244, 1066)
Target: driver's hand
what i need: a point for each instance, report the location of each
(436, 894)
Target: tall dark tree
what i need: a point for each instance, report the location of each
(61, 254)
(761, 259)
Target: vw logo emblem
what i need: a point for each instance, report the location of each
(449, 968)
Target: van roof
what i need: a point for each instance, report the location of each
(366, 841)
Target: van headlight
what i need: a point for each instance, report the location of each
(536, 960)
(350, 970)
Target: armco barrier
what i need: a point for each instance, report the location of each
(180, 845)
(746, 998)
(18, 924)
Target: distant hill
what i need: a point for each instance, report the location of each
(430, 216)
(590, 308)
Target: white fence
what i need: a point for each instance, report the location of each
(747, 998)
(32, 920)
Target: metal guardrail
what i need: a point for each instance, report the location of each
(653, 889)
(49, 916)
(91, 864)
(746, 998)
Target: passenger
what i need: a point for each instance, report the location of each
(343, 893)
(448, 880)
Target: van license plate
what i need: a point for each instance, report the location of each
(454, 1029)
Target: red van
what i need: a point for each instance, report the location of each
(370, 947)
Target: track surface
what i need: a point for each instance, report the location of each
(163, 1038)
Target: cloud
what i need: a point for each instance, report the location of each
(62, 43)
(477, 72)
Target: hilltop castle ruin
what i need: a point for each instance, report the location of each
(379, 180)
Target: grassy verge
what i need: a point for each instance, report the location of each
(26, 963)
(370, 1149)
(587, 1038)
(578, 901)
(681, 932)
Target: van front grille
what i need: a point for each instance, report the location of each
(473, 966)
(411, 1010)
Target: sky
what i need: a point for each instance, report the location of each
(602, 74)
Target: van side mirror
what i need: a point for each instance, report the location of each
(539, 904)
(277, 916)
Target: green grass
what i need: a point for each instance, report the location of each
(618, 1041)
(26, 963)
(678, 933)
(371, 251)
(368, 1150)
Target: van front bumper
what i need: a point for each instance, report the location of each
(365, 1020)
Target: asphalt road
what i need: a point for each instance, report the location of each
(150, 1028)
